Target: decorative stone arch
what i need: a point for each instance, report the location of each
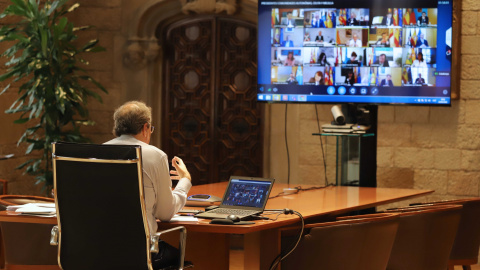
(142, 48)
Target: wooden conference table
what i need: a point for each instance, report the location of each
(211, 246)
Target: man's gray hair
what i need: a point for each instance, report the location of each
(130, 118)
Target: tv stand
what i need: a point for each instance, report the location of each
(357, 152)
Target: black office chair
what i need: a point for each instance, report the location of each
(102, 221)
(467, 240)
(354, 243)
(425, 237)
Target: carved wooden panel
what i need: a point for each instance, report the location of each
(211, 118)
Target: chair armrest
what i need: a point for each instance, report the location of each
(183, 237)
(54, 236)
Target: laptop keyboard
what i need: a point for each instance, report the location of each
(229, 211)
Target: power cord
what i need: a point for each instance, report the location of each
(279, 257)
(298, 189)
(321, 144)
(286, 145)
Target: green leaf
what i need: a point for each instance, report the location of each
(5, 89)
(21, 121)
(52, 7)
(24, 164)
(96, 49)
(89, 45)
(44, 42)
(73, 7)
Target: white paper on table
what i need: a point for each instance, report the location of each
(34, 208)
(183, 218)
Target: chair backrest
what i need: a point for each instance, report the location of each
(100, 207)
(467, 240)
(425, 237)
(353, 244)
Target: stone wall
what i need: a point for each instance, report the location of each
(418, 147)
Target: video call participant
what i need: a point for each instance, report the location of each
(352, 21)
(387, 81)
(350, 78)
(316, 21)
(382, 60)
(423, 20)
(317, 79)
(420, 80)
(289, 22)
(290, 60)
(353, 59)
(133, 126)
(421, 42)
(322, 60)
(287, 42)
(319, 38)
(419, 61)
(383, 41)
(387, 20)
(291, 79)
(355, 42)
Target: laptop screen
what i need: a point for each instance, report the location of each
(251, 192)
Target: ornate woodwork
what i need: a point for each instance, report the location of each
(211, 117)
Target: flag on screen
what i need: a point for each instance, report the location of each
(342, 18)
(414, 56)
(419, 32)
(372, 77)
(398, 41)
(413, 19)
(359, 78)
(336, 57)
(327, 76)
(414, 38)
(341, 59)
(330, 81)
(396, 21)
(333, 16)
(409, 73)
(328, 22)
(406, 17)
(299, 76)
(405, 76)
(391, 37)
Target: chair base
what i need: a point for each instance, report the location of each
(466, 264)
(186, 265)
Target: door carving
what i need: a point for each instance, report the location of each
(211, 116)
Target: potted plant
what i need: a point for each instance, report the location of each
(45, 61)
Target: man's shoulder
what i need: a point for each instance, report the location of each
(152, 150)
(147, 150)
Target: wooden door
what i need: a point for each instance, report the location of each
(210, 114)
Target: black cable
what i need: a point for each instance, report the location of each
(298, 189)
(279, 257)
(286, 144)
(321, 144)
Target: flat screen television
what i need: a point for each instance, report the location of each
(363, 51)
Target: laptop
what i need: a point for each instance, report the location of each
(244, 197)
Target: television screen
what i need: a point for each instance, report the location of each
(366, 51)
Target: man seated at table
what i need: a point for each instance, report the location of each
(133, 126)
(355, 42)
